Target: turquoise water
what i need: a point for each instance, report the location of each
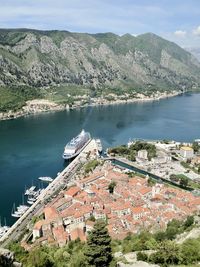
(32, 146)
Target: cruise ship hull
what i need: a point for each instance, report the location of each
(68, 157)
(76, 145)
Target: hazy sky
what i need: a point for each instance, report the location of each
(176, 20)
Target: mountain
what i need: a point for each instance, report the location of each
(45, 60)
(194, 51)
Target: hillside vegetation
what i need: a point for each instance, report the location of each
(160, 248)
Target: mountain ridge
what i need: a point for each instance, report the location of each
(47, 59)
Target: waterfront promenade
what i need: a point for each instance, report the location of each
(59, 183)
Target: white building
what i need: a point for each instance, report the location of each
(143, 154)
(187, 152)
(197, 141)
(167, 147)
(161, 160)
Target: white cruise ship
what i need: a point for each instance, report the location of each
(74, 147)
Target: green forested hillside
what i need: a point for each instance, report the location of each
(159, 248)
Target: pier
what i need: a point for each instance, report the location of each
(59, 183)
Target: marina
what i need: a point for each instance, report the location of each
(58, 183)
(32, 194)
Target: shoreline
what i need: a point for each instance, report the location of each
(39, 106)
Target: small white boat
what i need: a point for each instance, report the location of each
(22, 208)
(15, 213)
(46, 179)
(34, 197)
(19, 211)
(31, 201)
(30, 190)
(99, 145)
(3, 229)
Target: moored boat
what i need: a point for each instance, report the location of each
(30, 190)
(46, 179)
(3, 229)
(99, 145)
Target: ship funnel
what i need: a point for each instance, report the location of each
(82, 132)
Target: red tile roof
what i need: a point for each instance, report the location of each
(50, 213)
(59, 234)
(72, 191)
(38, 225)
(78, 233)
(145, 190)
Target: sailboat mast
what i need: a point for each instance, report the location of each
(22, 199)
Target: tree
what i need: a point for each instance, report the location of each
(198, 169)
(19, 252)
(141, 256)
(173, 228)
(189, 221)
(39, 258)
(168, 254)
(171, 232)
(195, 146)
(111, 187)
(174, 223)
(184, 181)
(151, 181)
(98, 249)
(190, 251)
(160, 236)
(174, 178)
(91, 165)
(132, 155)
(92, 218)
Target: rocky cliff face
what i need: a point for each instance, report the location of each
(47, 58)
(7, 259)
(194, 51)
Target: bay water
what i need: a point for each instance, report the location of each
(32, 146)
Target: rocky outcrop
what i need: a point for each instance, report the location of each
(49, 58)
(7, 259)
(194, 233)
(137, 264)
(131, 260)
